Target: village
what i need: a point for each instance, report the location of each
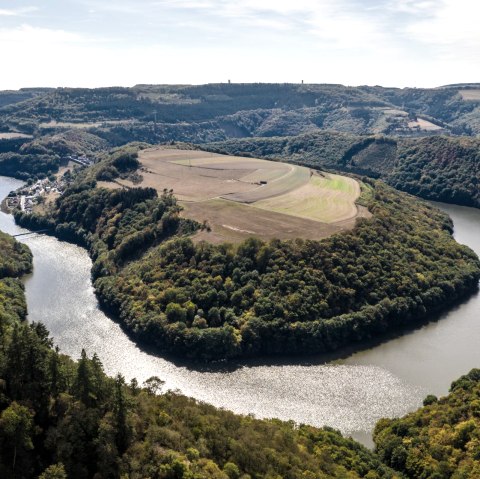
(25, 199)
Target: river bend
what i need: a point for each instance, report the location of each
(350, 394)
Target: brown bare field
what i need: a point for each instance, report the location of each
(240, 197)
(198, 175)
(470, 95)
(81, 125)
(49, 200)
(234, 222)
(424, 125)
(13, 136)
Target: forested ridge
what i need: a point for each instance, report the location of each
(208, 302)
(42, 156)
(290, 297)
(62, 419)
(218, 111)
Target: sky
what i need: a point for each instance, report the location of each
(92, 43)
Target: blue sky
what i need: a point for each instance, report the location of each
(123, 42)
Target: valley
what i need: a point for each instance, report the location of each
(268, 275)
(239, 240)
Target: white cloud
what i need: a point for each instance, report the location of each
(334, 21)
(342, 41)
(34, 37)
(414, 7)
(17, 12)
(455, 23)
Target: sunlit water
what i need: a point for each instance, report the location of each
(349, 394)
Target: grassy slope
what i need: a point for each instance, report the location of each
(327, 199)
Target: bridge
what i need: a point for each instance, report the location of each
(31, 233)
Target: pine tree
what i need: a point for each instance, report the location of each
(83, 382)
(120, 411)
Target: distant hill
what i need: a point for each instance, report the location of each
(214, 112)
(9, 97)
(26, 157)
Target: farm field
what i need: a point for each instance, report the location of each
(233, 222)
(198, 175)
(326, 197)
(424, 125)
(239, 197)
(470, 95)
(13, 136)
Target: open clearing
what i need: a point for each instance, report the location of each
(240, 197)
(81, 125)
(13, 136)
(424, 125)
(470, 95)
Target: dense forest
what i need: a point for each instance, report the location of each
(211, 302)
(62, 419)
(15, 261)
(440, 440)
(438, 168)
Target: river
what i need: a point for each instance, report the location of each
(350, 394)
